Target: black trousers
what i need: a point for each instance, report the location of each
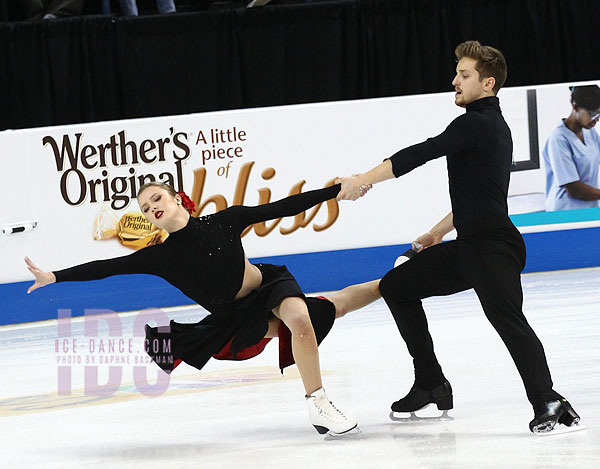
(38, 8)
(492, 268)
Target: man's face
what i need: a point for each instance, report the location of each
(467, 84)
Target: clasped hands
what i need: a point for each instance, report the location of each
(352, 187)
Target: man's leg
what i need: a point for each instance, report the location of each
(165, 6)
(432, 272)
(128, 7)
(35, 8)
(496, 277)
(65, 7)
(3, 11)
(106, 7)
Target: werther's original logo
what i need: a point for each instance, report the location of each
(72, 157)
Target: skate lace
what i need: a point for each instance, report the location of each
(331, 411)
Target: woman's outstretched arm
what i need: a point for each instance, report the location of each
(242, 216)
(139, 262)
(41, 278)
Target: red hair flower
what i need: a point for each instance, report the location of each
(187, 203)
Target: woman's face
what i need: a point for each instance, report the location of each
(586, 118)
(158, 205)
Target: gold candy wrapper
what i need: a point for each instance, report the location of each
(132, 229)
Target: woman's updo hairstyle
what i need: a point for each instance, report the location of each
(186, 202)
(161, 185)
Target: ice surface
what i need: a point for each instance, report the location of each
(244, 414)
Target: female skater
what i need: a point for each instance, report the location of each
(204, 258)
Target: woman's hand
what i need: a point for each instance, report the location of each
(41, 278)
(352, 187)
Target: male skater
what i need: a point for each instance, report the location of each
(488, 254)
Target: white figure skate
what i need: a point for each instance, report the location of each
(325, 417)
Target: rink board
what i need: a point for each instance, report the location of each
(319, 271)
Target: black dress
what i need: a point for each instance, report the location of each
(205, 260)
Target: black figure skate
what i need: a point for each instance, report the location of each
(418, 399)
(554, 417)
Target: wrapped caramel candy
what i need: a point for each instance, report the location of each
(132, 229)
(105, 223)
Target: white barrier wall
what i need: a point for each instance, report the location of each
(63, 177)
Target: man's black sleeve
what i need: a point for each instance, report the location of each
(466, 131)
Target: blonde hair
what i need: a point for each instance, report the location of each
(490, 61)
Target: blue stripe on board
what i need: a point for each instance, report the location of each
(551, 218)
(319, 271)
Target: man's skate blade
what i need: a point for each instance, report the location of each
(414, 418)
(560, 429)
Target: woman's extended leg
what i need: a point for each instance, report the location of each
(345, 301)
(355, 297)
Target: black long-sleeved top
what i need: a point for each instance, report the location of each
(205, 259)
(478, 146)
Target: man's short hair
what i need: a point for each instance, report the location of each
(490, 61)
(588, 96)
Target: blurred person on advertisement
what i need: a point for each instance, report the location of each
(129, 7)
(52, 9)
(572, 154)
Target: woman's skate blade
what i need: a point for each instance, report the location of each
(352, 433)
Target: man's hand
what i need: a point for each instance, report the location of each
(434, 235)
(352, 188)
(41, 278)
(358, 185)
(427, 240)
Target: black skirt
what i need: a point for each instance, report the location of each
(236, 331)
